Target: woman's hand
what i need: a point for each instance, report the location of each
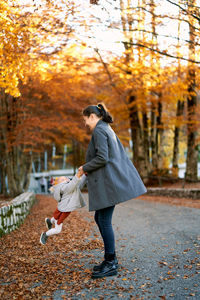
(80, 171)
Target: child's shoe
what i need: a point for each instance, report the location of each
(48, 223)
(43, 238)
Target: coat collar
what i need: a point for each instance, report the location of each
(100, 123)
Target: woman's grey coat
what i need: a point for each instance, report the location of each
(112, 177)
(68, 195)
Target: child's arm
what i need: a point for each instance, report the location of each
(70, 186)
(82, 182)
(56, 192)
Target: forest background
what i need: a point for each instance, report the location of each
(139, 57)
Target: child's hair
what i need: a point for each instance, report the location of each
(58, 180)
(100, 111)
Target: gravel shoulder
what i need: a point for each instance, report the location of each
(158, 247)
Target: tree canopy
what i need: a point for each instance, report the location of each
(141, 58)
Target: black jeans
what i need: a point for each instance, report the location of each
(103, 218)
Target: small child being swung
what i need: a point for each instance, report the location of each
(67, 193)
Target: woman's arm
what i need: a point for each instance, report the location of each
(101, 148)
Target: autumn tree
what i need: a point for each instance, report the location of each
(26, 107)
(14, 43)
(143, 80)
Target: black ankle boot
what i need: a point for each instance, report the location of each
(107, 268)
(106, 257)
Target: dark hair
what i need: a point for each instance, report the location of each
(100, 111)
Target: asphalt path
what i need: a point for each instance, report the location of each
(158, 247)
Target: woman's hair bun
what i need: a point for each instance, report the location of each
(106, 117)
(98, 110)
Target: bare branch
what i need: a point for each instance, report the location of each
(162, 52)
(108, 72)
(183, 9)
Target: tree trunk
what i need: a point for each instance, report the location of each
(179, 113)
(192, 149)
(3, 175)
(153, 137)
(146, 141)
(74, 151)
(15, 163)
(179, 110)
(136, 135)
(155, 117)
(159, 135)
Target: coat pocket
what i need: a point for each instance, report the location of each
(92, 181)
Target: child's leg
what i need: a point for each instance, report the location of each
(55, 230)
(62, 217)
(59, 217)
(53, 220)
(50, 222)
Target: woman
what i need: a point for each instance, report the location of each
(112, 179)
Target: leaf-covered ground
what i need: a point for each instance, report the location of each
(30, 270)
(158, 248)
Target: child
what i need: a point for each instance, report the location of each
(67, 193)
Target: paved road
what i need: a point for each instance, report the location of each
(158, 247)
